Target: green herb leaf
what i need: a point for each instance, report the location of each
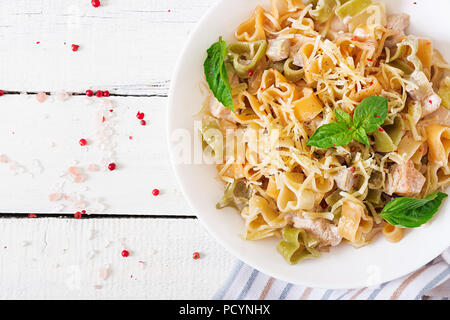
(331, 135)
(361, 135)
(371, 113)
(343, 116)
(216, 73)
(410, 212)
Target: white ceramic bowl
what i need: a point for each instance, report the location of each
(344, 266)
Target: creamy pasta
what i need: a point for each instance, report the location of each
(282, 97)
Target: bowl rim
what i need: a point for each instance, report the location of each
(397, 273)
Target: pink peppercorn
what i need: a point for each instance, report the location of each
(140, 115)
(196, 256)
(75, 47)
(89, 93)
(83, 142)
(77, 215)
(2, 92)
(106, 93)
(112, 166)
(99, 94)
(143, 122)
(125, 253)
(95, 3)
(155, 192)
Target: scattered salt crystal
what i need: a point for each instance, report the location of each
(16, 168)
(123, 242)
(93, 234)
(3, 158)
(97, 206)
(79, 178)
(25, 243)
(59, 186)
(54, 197)
(91, 254)
(73, 171)
(37, 166)
(81, 205)
(104, 272)
(108, 132)
(109, 103)
(62, 95)
(93, 167)
(41, 97)
(58, 208)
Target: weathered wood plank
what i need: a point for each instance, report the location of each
(128, 47)
(40, 142)
(63, 259)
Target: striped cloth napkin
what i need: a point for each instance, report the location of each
(432, 281)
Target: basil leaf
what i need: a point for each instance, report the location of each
(412, 213)
(371, 113)
(343, 116)
(331, 135)
(216, 73)
(361, 135)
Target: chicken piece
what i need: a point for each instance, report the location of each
(337, 25)
(278, 49)
(321, 229)
(345, 179)
(431, 104)
(298, 60)
(399, 23)
(362, 33)
(424, 93)
(424, 87)
(219, 111)
(406, 180)
(440, 116)
(313, 125)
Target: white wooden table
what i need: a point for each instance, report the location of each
(129, 48)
